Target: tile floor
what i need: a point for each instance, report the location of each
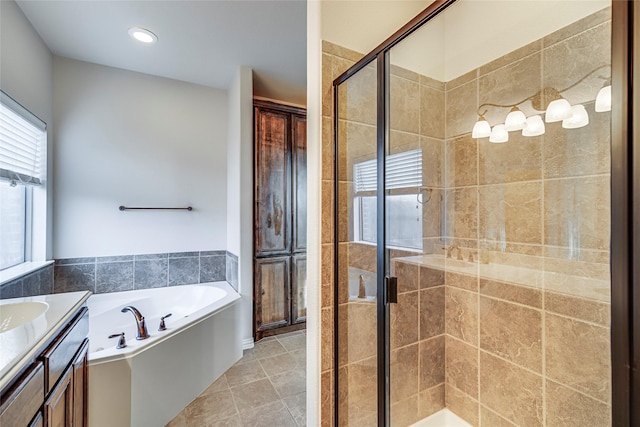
(265, 388)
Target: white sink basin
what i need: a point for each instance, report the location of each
(19, 313)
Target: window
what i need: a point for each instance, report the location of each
(22, 153)
(404, 211)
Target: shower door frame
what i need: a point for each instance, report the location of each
(625, 210)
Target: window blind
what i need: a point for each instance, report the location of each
(22, 142)
(403, 170)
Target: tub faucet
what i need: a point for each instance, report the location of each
(142, 326)
(362, 293)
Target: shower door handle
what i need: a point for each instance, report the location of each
(391, 284)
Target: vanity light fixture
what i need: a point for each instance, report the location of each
(499, 134)
(515, 120)
(603, 100)
(578, 119)
(143, 35)
(550, 100)
(481, 129)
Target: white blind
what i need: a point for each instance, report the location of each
(22, 142)
(403, 170)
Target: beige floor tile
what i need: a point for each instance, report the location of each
(227, 422)
(179, 421)
(289, 383)
(300, 356)
(297, 406)
(263, 349)
(294, 342)
(244, 373)
(269, 415)
(211, 407)
(278, 364)
(254, 394)
(220, 384)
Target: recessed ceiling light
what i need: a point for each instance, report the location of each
(142, 35)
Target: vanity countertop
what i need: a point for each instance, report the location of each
(19, 345)
(569, 284)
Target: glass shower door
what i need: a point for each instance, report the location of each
(357, 290)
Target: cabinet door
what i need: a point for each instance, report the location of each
(80, 386)
(272, 293)
(58, 408)
(272, 183)
(299, 288)
(299, 184)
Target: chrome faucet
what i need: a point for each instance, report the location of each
(142, 326)
(453, 247)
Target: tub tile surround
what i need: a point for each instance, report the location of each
(129, 272)
(524, 340)
(266, 387)
(39, 282)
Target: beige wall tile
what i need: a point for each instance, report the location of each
(461, 314)
(327, 212)
(431, 401)
(432, 83)
(326, 269)
(358, 95)
(488, 418)
(432, 115)
(408, 276)
(462, 405)
(511, 57)
(345, 212)
(433, 166)
(327, 148)
(567, 408)
(462, 281)
(461, 109)
(513, 209)
(403, 317)
(430, 277)
(327, 340)
(404, 373)
(520, 294)
(401, 141)
(520, 159)
(357, 332)
(404, 73)
(577, 212)
(432, 308)
(512, 332)
(432, 362)
(459, 81)
(570, 60)
(578, 27)
(404, 98)
(405, 412)
(510, 84)
(578, 355)
(327, 86)
(362, 396)
(357, 144)
(461, 161)
(578, 152)
(362, 256)
(341, 51)
(578, 308)
(517, 396)
(461, 213)
(432, 212)
(462, 366)
(343, 258)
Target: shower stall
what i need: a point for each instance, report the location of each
(473, 220)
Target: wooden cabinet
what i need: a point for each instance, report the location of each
(53, 390)
(280, 220)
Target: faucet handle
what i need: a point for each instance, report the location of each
(162, 326)
(122, 343)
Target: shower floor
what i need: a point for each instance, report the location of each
(443, 418)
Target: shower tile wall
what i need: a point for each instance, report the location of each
(539, 203)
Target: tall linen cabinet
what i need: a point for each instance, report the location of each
(280, 218)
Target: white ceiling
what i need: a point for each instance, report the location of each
(201, 42)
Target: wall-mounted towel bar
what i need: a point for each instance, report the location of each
(126, 208)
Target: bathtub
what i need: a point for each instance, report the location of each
(149, 381)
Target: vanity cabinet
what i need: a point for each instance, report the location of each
(52, 391)
(280, 218)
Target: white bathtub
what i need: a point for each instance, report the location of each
(150, 381)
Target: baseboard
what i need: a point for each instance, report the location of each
(247, 343)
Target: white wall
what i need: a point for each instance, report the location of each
(126, 138)
(26, 75)
(240, 191)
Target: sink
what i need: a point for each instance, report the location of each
(17, 314)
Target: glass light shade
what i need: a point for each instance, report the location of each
(499, 134)
(603, 100)
(579, 118)
(557, 110)
(515, 120)
(534, 126)
(142, 35)
(481, 129)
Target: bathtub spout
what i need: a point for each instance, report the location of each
(140, 323)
